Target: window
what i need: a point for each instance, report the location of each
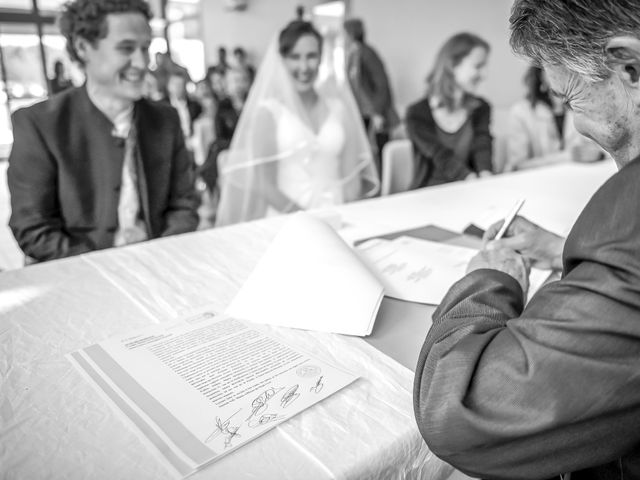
(30, 45)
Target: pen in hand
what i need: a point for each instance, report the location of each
(509, 219)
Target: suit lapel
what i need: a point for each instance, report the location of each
(103, 153)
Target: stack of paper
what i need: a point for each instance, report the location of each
(422, 271)
(198, 391)
(309, 278)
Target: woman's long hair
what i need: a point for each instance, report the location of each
(440, 81)
(295, 30)
(537, 90)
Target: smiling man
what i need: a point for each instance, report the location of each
(99, 166)
(512, 392)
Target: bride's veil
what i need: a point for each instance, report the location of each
(247, 168)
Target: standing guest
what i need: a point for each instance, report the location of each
(164, 67)
(152, 89)
(222, 64)
(541, 130)
(216, 81)
(508, 391)
(242, 62)
(301, 15)
(59, 81)
(99, 166)
(449, 128)
(238, 83)
(203, 131)
(188, 109)
(370, 85)
(225, 122)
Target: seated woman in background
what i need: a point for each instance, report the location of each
(449, 128)
(541, 130)
(299, 143)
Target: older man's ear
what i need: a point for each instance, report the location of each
(623, 57)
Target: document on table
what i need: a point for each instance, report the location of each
(198, 391)
(309, 278)
(422, 271)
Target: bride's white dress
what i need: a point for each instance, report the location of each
(312, 176)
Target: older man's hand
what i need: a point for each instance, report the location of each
(505, 260)
(539, 246)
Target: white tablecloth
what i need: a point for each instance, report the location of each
(54, 425)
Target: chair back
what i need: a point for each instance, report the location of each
(398, 167)
(223, 158)
(500, 153)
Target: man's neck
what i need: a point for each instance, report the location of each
(626, 155)
(107, 104)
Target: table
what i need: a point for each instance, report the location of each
(54, 425)
(554, 196)
(10, 254)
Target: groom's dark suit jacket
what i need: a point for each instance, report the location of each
(65, 171)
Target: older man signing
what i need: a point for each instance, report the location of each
(503, 391)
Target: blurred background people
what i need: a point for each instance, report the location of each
(240, 56)
(449, 128)
(188, 108)
(151, 87)
(300, 142)
(222, 64)
(59, 81)
(228, 113)
(203, 129)
(541, 131)
(164, 67)
(215, 79)
(225, 121)
(370, 85)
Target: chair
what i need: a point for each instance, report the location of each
(398, 167)
(500, 153)
(223, 158)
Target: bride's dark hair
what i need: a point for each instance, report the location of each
(290, 35)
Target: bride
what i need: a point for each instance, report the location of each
(300, 143)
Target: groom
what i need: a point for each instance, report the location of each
(99, 166)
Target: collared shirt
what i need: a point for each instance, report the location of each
(131, 228)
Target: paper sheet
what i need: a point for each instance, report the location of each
(198, 391)
(422, 271)
(309, 278)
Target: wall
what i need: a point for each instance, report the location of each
(407, 34)
(252, 28)
(409, 40)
